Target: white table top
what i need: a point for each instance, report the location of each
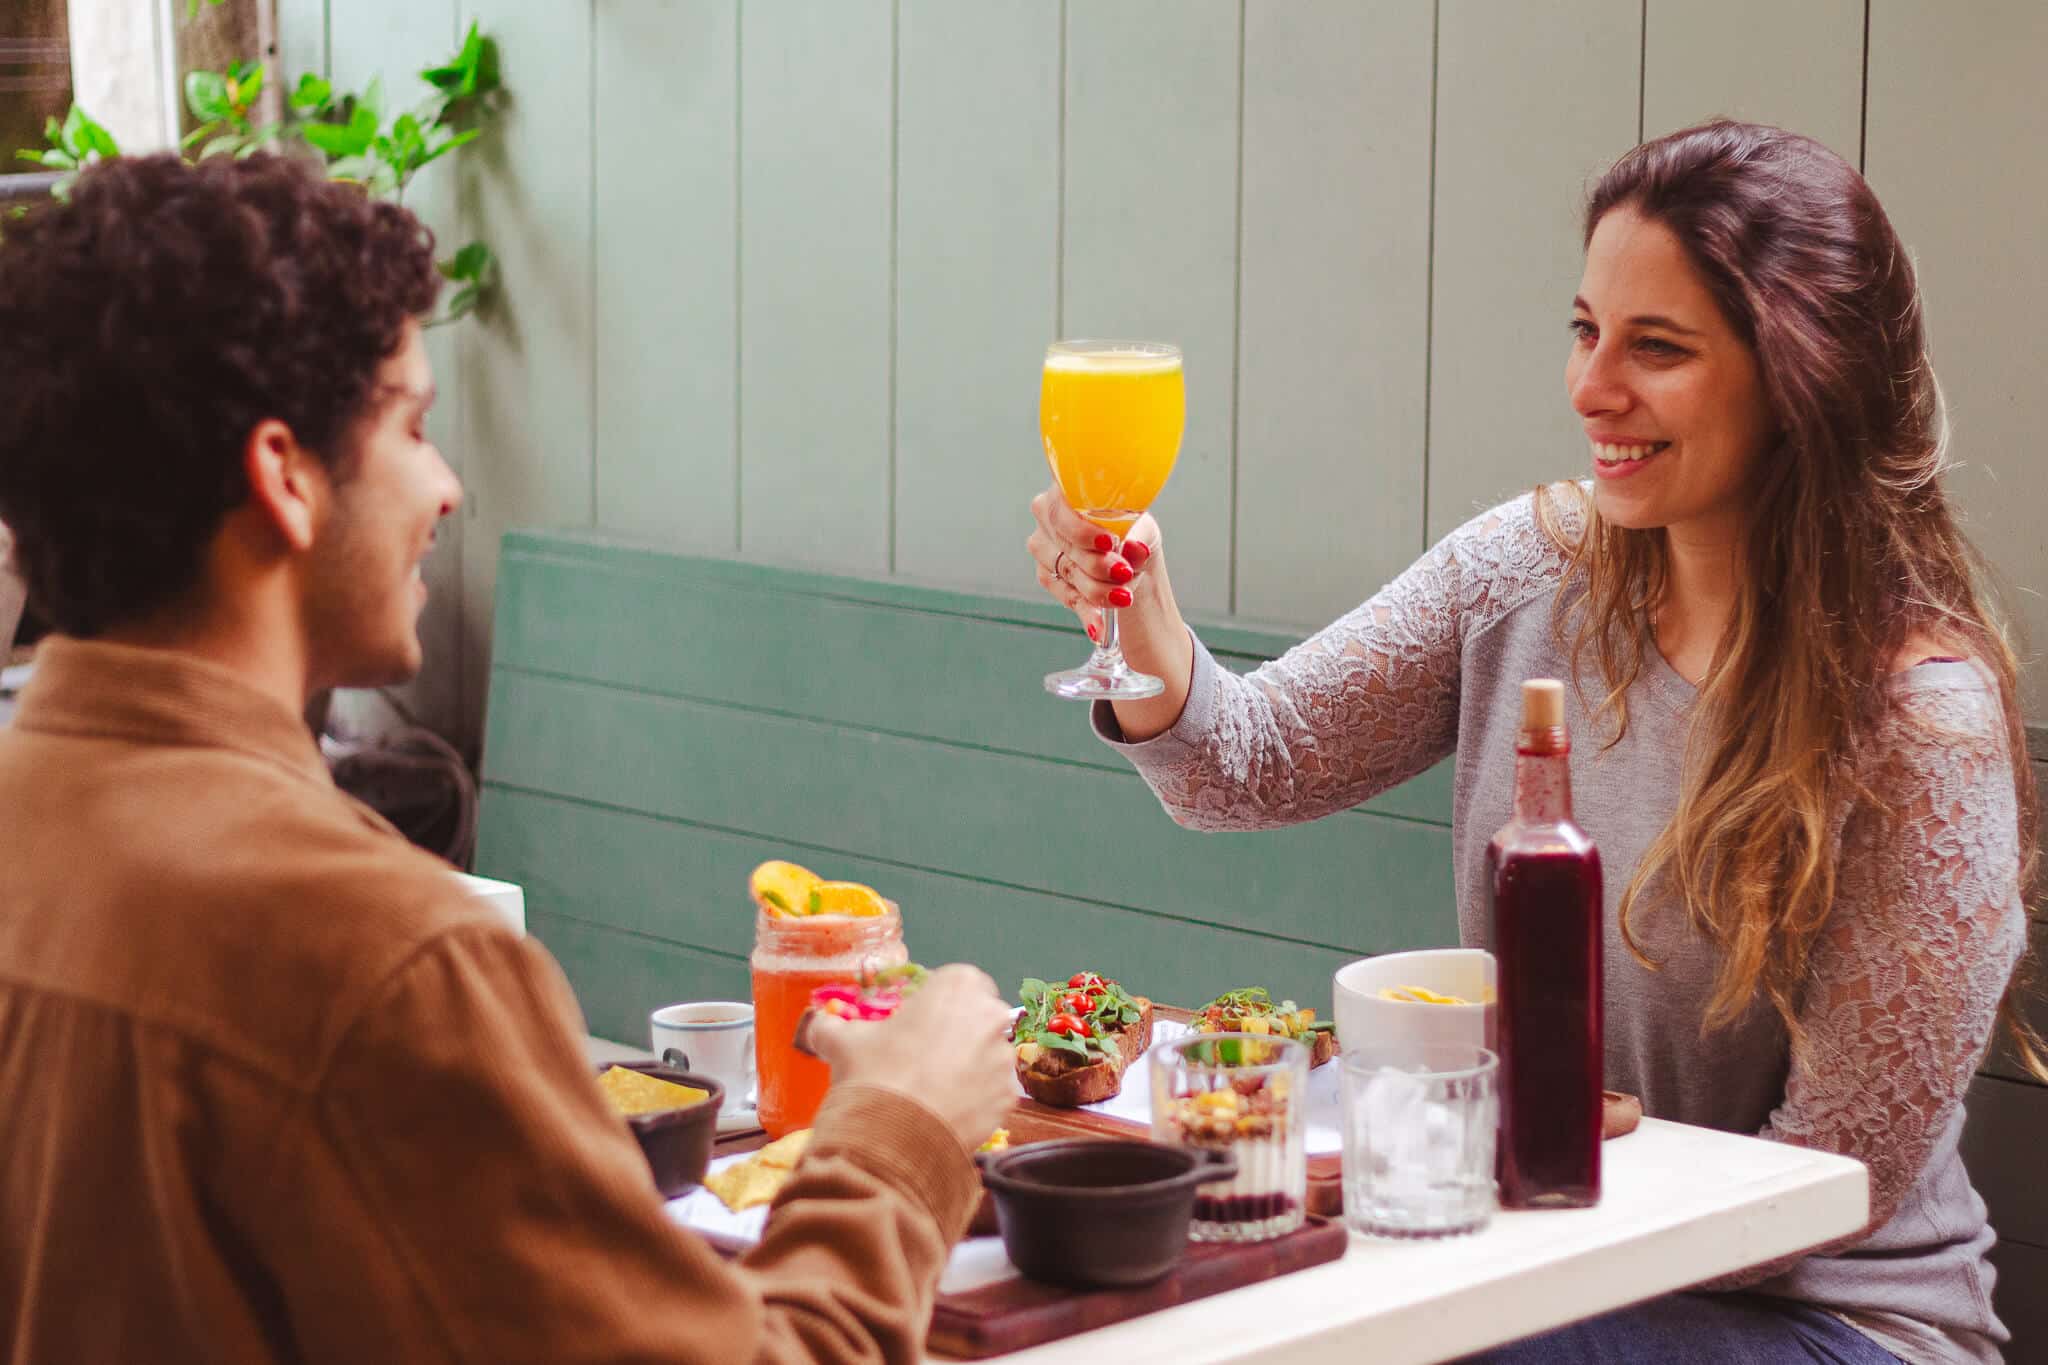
(1680, 1205)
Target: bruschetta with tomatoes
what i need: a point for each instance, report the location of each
(1075, 1041)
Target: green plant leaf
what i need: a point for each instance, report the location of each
(206, 95)
(372, 99)
(198, 135)
(98, 139)
(53, 131)
(226, 142)
(312, 95)
(57, 160)
(247, 82)
(74, 124)
(351, 139)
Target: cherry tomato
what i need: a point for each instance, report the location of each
(1084, 1028)
(1075, 1002)
(1065, 1024)
(1085, 980)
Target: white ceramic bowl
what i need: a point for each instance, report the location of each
(1364, 1019)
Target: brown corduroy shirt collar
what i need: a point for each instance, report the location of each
(160, 696)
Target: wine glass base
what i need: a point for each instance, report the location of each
(1117, 683)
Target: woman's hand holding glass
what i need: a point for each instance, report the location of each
(1086, 569)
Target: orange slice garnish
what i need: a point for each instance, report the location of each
(847, 898)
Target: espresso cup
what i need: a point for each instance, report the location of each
(712, 1037)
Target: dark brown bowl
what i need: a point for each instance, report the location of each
(676, 1142)
(1092, 1212)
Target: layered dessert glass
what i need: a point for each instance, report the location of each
(1245, 1094)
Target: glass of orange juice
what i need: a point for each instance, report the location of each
(1111, 414)
(793, 955)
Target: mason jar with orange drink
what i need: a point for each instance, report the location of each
(808, 933)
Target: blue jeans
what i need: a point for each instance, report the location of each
(1700, 1329)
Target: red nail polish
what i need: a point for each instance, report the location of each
(1121, 572)
(1091, 633)
(1119, 597)
(1104, 542)
(1137, 551)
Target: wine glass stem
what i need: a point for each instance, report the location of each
(1109, 650)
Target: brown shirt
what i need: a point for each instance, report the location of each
(273, 1089)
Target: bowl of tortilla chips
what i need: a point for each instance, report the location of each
(673, 1113)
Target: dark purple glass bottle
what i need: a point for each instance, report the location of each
(1543, 884)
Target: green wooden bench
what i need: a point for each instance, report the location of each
(659, 723)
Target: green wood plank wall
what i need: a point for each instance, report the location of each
(666, 231)
(778, 271)
(977, 269)
(1532, 100)
(1334, 302)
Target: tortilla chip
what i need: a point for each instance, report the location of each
(745, 1184)
(786, 1150)
(636, 1092)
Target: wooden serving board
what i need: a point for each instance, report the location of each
(1013, 1314)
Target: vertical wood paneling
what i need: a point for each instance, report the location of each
(1533, 100)
(1957, 122)
(816, 220)
(1333, 338)
(667, 77)
(526, 365)
(1151, 233)
(977, 254)
(1703, 60)
(301, 39)
(397, 39)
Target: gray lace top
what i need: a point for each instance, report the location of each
(1904, 983)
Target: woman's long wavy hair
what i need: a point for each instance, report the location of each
(1851, 550)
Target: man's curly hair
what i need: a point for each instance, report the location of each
(147, 326)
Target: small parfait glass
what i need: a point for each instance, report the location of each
(1245, 1094)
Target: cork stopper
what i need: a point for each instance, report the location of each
(1542, 704)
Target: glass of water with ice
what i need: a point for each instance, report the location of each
(1419, 1125)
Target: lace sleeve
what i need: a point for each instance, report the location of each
(1906, 977)
(1367, 702)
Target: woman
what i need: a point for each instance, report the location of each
(1800, 737)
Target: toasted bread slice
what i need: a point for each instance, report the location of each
(1060, 1080)
(1066, 1082)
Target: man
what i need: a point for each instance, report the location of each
(270, 1089)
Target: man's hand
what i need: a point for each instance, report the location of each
(947, 1048)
